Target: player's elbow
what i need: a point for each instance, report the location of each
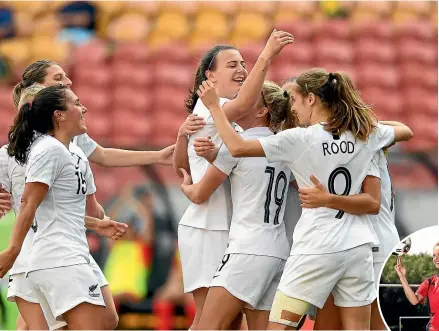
(375, 207)
(199, 198)
(237, 150)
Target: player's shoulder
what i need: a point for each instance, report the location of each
(48, 145)
(73, 148)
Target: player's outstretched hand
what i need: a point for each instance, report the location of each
(208, 94)
(192, 124)
(187, 180)
(400, 269)
(111, 229)
(5, 202)
(7, 259)
(166, 155)
(314, 197)
(276, 42)
(203, 146)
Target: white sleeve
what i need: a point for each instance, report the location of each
(381, 137)
(286, 146)
(45, 166)
(91, 185)
(87, 144)
(224, 161)
(374, 168)
(5, 181)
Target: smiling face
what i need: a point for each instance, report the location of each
(72, 120)
(436, 256)
(229, 73)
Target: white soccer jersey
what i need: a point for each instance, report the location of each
(59, 238)
(12, 180)
(292, 212)
(215, 213)
(384, 222)
(340, 163)
(87, 144)
(259, 190)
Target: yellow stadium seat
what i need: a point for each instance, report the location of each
(16, 50)
(32, 7)
(184, 7)
(173, 25)
(371, 10)
(47, 25)
(412, 10)
(288, 11)
(23, 23)
(251, 26)
(212, 24)
(110, 7)
(50, 49)
(129, 27)
(225, 7)
(267, 8)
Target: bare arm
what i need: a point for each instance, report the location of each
(33, 196)
(201, 191)
(113, 157)
(413, 297)
(251, 89)
(367, 202)
(93, 207)
(402, 131)
(181, 159)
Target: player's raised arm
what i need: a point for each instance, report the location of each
(251, 89)
(237, 145)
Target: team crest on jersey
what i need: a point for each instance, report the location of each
(91, 290)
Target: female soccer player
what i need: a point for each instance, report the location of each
(20, 290)
(54, 205)
(49, 73)
(429, 289)
(203, 229)
(330, 248)
(383, 223)
(257, 246)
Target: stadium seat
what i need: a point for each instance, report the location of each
(339, 30)
(374, 51)
(131, 26)
(94, 53)
(412, 10)
(333, 51)
(96, 99)
(211, 24)
(424, 101)
(415, 50)
(173, 75)
(304, 54)
(266, 8)
(137, 52)
(49, 48)
(136, 100)
(375, 75)
(250, 27)
(288, 11)
(130, 129)
(372, 10)
(132, 74)
(225, 7)
(17, 51)
(91, 75)
(98, 126)
(414, 73)
(172, 53)
(421, 30)
(305, 32)
(171, 25)
(170, 100)
(381, 30)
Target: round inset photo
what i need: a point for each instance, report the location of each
(409, 283)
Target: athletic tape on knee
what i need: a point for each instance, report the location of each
(285, 310)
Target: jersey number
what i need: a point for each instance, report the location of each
(331, 181)
(392, 192)
(278, 200)
(82, 184)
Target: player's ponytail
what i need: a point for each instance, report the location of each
(35, 117)
(34, 73)
(347, 111)
(208, 62)
(278, 103)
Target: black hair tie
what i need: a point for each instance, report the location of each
(331, 77)
(286, 94)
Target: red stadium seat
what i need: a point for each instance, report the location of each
(130, 128)
(170, 100)
(97, 75)
(95, 52)
(424, 101)
(300, 55)
(305, 32)
(419, 74)
(173, 75)
(132, 74)
(415, 50)
(420, 30)
(94, 98)
(174, 53)
(131, 52)
(339, 30)
(373, 50)
(386, 103)
(134, 100)
(98, 126)
(380, 30)
(328, 50)
(381, 76)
